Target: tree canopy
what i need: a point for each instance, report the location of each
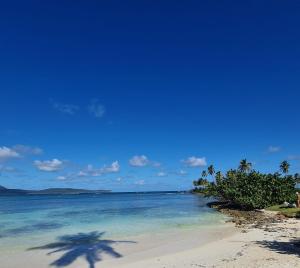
(250, 189)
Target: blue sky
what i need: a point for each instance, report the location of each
(140, 95)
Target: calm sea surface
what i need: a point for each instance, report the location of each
(30, 220)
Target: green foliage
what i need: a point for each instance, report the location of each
(202, 182)
(252, 189)
(288, 212)
(245, 166)
(219, 177)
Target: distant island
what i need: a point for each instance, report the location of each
(50, 191)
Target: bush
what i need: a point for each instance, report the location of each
(252, 190)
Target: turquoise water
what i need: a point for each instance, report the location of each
(30, 220)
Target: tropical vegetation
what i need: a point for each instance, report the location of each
(247, 188)
(286, 211)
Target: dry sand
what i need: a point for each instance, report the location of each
(271, 247)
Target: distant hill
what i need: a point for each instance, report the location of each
(50, 191)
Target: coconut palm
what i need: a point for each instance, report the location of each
(211, 170)
(284, 167)
(219, 176)
(245, 166)
(231, 173)
(204, 174)
(203, 182)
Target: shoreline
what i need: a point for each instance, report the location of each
(252, 248)
(140, 248)
(267, 240)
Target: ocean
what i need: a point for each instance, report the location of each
(29, 221)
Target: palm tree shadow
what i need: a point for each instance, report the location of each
(291, 247)
(87, 245)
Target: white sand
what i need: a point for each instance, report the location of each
(215, 247)
(238, 250)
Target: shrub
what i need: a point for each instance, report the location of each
(252, 190)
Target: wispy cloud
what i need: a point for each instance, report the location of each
(273, 149)
(61, 178)
(161, 174)
(156, 164)
(49, 165)
(90, 171)
(69, 109)
(139, 161)
(18, 151)
(113, 168)
(139, 182)
(96, 109)
(7, 153)
(293, 157)
(181, 172)
(195, 161)
(24, 149)
(8, 169)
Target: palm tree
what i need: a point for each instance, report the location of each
(203, 182)
(230, 172)
(284, 167)
(219, 176)
(245, 166)
(195, 183)
(211, 170)
(204, 174)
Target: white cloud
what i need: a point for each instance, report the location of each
(96, 109)
(162, 174)
(61, 178)
(113, 168)
(139, 182)
(18, 151)
(69, 109)
(139, 161)
(90, 171)
(274, 149)
(49, 165)
(96, 172)
(8, 153)
(195, 162)
(24, 149)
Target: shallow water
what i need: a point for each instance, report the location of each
(27, 221)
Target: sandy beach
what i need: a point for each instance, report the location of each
(227, 246)
(271, 246)
(251, 248)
